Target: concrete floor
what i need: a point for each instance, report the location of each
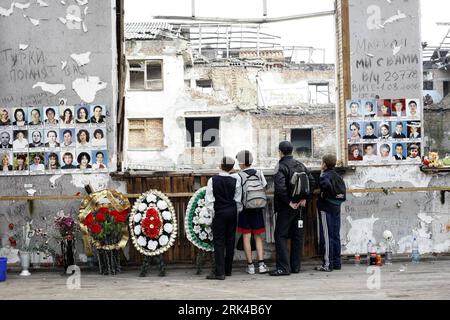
(427, 280)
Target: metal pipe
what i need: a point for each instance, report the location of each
(250, 20)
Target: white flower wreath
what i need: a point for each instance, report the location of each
(153, 223)
(198, 222)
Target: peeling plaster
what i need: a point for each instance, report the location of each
(360, 233)
(63, 20)
(82, 2)
(71, 17)
(396, 17)
(84, 27)
(52, 88)
(22, 5)
(34, 21)
(23, 46)
(96, 181)
(63, 65)
(87, 88)
(86, 11)
(42, 3)
(63, 3)
(82, 58)
(396, 50)
(388, 176)
(7, 12)
(54, 178)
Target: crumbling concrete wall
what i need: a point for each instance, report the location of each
(36, 44)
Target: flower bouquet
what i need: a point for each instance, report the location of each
(198, 222)
(66, 227)
(153, 223)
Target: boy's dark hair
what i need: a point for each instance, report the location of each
(286, 148)
(245, 157)
(227, 164)
(329, 160)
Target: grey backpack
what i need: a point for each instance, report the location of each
(253, 193)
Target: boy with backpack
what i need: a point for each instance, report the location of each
(332, 195)
(293, 186)
(251, 219)
(223, 201)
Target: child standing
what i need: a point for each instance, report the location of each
(251, 220)
(332, 194)
(223, 201)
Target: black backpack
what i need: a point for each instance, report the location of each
(299, 183)
(338, 188)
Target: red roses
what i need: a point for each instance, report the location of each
(103, 222)
(151, 224)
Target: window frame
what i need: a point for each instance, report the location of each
(146, 63)
(130, 127)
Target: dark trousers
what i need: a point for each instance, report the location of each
(330, 239)
(287, 227)
(224, 233)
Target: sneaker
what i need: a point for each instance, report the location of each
(263, 268)
(279, 273)
(213, 276)
(322, 268)
(250, 269)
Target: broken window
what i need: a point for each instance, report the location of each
(319, 93)
(146, 75)
(428, 85)
(301, 139)
(145, 133)
(204, 85)
(202, 132)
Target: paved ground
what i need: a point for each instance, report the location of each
(427, 280)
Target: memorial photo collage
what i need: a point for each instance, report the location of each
(384, 131)
(53, 139)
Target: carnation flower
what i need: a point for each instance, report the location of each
(210, 236)
(137, 230)
(167, 215)
(195, 220)
(142, 207)
(137, 217)
(201, 221)
(161, 204)
(168, 227)
(163, 240)
(142, 241)
(151, 198)
(203, 235)
(197, 229)
(204, 212)
(152, 245)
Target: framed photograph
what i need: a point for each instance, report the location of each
(99, 160)
(82, 114)
(20, 117)
(67, 137)
(6, 164)
(383, 108)
(5, 117)
(20, 141)
(98, 113)
(51, 116)
(66, 115)
(36, 139)
(35, 116)
(6, 138)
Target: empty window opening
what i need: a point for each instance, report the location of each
(301, 139)
(202, 132)
(319, 93)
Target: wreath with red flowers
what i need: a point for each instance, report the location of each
(153, 223)
(105, 224)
